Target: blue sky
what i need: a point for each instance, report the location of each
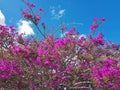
(68, 11)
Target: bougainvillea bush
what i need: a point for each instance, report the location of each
(51, 63)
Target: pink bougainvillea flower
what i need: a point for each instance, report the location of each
(12, 27)
(37, 18)
(30, 5)
(93, 27)
(43, 25)
(26, 14)
(103, 19)
(68, 68)
(95, 20)
(41, 10)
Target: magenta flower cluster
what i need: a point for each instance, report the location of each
(9, 68)
(106, 74)
(96, 23)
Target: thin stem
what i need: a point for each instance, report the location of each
(39, 30)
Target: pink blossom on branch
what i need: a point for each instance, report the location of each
(30, 5)
(41, 10)
(93, 27)
(102, 19)
(37, 18)
(95, 20)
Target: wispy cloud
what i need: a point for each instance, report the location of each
(57, 12)
(64, 34)
(25, 27)
(61, 12)
(82, 35)
(2, 18)
(53, 11)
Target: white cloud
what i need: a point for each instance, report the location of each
(53, 11)
(56, 12)
(64, 34)
(82, 35)
(25, 27)
(2, 18)
(61, 12)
